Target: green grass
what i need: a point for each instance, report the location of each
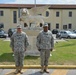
(65, 53)
(5, 52)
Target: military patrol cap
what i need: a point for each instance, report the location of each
(45, 25)
(19, 26)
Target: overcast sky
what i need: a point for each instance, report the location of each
(38, 1)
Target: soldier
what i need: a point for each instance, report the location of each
(45, 44)
(19, 43)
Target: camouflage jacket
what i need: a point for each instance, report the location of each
(19, 41)
(45, 40)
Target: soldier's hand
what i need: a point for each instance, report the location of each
(39, 49)
(51, 49)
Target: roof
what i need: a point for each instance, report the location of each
(55, 6)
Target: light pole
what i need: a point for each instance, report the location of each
(35, 2)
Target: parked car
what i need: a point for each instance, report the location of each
(3, 34)
(66, 34)
(11, 31)
(74, 31)
(55, 31)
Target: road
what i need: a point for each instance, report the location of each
(37, 72)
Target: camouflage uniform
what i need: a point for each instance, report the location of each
(45, 43)
(19, 43)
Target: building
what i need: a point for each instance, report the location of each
(58, 16)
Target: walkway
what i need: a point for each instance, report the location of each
(37, 72)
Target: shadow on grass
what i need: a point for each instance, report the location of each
(6, 57)
(31, 57)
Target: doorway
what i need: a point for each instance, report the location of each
(49, 26)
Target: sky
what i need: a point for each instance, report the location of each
(38, 1)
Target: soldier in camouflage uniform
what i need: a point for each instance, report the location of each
(19, 43)
(45, 44)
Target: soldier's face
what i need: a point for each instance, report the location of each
(19, 30)
(45, 29)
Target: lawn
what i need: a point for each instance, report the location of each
(65, 53)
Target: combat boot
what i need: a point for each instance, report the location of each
(20, 70)
(17, 70)
(46, 69)
(42, 69)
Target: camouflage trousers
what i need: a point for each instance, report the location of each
(44, 55)
(19, 58)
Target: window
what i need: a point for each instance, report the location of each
(30, 24)
(1, 25)
(40, 24)
(57, 14)
(69, 26)
(70, 14)
(25, 24)
(49, 26)
(1, 13)
(47, 13)
(40, 14)
(14, 16)
(65, 33)
(57, 25)
(64, 26)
